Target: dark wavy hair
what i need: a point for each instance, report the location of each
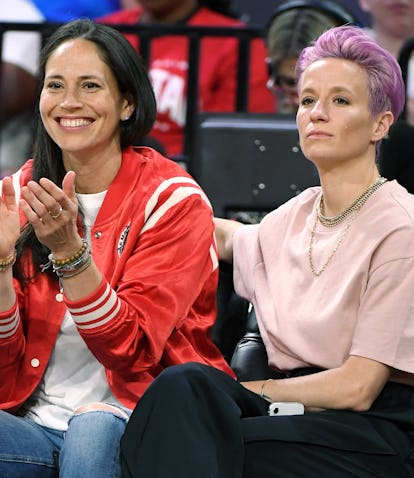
(132, 80)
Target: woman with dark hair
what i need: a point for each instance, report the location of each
(108, 265)
(330, 274)
(169, 63)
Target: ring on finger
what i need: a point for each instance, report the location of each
(57, 215)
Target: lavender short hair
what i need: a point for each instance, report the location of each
(386, 90)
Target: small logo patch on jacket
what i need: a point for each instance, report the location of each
(122, 239)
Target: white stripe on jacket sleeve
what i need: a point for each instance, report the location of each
(97, 313)
(9, 325)
(165, 185)
(176, 197)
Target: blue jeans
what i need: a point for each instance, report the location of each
(89, 448)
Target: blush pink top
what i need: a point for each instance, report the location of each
(362, 303)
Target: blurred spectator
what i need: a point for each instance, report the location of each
(396, 155)
(63, 10)
(218, 66)
(392, 24)
(19, 57)
(294, 25)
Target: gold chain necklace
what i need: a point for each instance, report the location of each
(332, 221)
(355, 206)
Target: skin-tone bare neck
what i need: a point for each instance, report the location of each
(389, 42)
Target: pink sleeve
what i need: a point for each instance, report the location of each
(246, 254)
(385, 326)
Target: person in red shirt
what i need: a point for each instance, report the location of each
(168, 65)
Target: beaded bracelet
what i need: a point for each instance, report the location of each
(73, 266)
(8, 262)
(64, 274)
(64, 262)
(70, 269)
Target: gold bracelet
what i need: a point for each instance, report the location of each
(64, 262)
(8, 262)
(262, 394)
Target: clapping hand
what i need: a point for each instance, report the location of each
(52, 211)
(9, 219)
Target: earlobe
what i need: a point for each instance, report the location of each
(127, 113)
(130, 105)
(128, 108)
(383, 124)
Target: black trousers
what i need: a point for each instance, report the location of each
(196, 422)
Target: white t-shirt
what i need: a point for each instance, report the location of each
(73, 376)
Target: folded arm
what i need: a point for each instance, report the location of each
(353, 386)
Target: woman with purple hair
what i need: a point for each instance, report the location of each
(331, 277)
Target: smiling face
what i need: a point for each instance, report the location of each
(334, 120)
(80, 103)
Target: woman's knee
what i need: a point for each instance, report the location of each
(102, 407)
(179, 379)
(96, 419)
(94, 426)
(92, 441)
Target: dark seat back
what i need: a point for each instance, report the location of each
(236, 332)
(249, 360)
(232, 311)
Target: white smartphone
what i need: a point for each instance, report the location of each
(286, 408)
